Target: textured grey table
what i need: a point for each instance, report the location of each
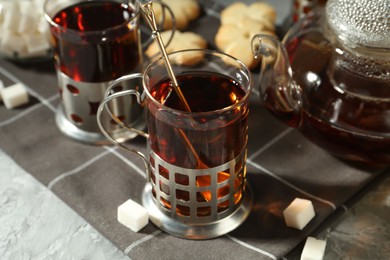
(58, 197)
(36, 224)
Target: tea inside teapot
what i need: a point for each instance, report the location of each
(331, 79)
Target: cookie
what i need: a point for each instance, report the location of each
(184, 11)
(239, 23)
(180, 41)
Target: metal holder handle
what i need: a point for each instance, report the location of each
(108, 97)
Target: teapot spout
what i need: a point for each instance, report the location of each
(278, 91)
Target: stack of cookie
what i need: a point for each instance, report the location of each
(239, 23)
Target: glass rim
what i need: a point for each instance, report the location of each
(246, 87)
(50, 15)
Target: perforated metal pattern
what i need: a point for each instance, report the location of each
(198, 195)
(80, 101)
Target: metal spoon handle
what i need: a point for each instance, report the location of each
(146, 7)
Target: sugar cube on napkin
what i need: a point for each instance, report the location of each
(133, 215)
(314, 249)
(299, 213)
(14, 96)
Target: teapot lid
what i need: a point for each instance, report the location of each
(364, 23)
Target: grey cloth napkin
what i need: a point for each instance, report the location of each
(95, 180)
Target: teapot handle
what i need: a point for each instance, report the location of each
(279, 92)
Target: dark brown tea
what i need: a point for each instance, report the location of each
(345, 110)
(208, 137)
(96, 41)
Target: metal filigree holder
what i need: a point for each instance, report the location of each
(190, 209)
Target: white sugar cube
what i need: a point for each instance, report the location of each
(42, 25)
(14, 96)
(11, 42)
(4, 6)
(314, 249)
(133, 215)
(39, 2)
(36, 43)
(27, 7)
(299, 213)
(26, 54)
(28, 23)
(11, 19)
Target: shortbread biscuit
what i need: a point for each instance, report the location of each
(233, 13)
(259, 11)
(239, 23)
(184, 11)
(227, 34)
(180, 41)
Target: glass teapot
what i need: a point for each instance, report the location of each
(330, 78)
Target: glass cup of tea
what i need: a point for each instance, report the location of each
(94, 42)
(196, 159)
